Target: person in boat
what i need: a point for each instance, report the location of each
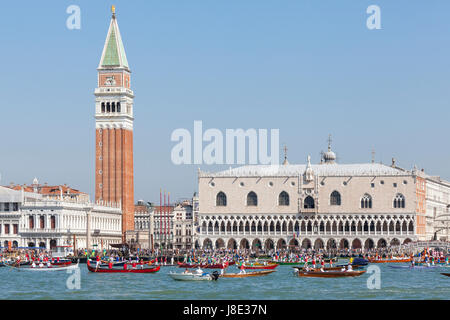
(186, 271)
(33, 265)
(110, 265)
(349, 267)
(41, 265)
(242, 269)
(199, 270)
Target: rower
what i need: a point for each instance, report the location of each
(349, 268)
(110, 265)
(33, 265)
(242, 269)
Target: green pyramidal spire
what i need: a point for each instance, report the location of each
(113, 52)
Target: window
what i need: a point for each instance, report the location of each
(372, 185)
(53, 222)
(221, 199)
(366, 202)
(15, 206)
(252, 199)
(6, 228)
(118, 106)
(283, 199)
(335, 198)
(308, 203)
(15, 228)
(103, 107)
(6, 206)
(31, 222)
(42, 222)
(395, 185)
(399, 201)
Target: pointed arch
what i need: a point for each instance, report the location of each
(221, 199)
(252, 199)
(283, 199)
(335, 198)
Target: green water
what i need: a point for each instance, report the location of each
(282, 284)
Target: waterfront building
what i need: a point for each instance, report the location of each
(326, 205)
(169, 227)
(114, 127)
(48, 216)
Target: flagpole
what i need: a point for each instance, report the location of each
(165, 235)
(168, 215)
(160, 219)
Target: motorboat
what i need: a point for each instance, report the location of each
(197, 275)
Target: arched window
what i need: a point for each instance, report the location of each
(252, 199)
(283, 199)
(103, 107)
(118, 106)
(221, 199)
(399, 201)
(335, 198)
(108, 107)
(366, 202)
(113, 107)
(308, 203)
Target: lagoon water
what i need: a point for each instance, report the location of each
(280, 285)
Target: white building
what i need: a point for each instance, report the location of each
(30, 219)
(325, 205)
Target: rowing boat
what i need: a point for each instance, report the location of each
(330, 274)
(245, 275)
(446, 274)
(412, 267)
(390, 260)
(259, 266)
(121, 270)
(51, 268)
(205, 265)
(337, 268)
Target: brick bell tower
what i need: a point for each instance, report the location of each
(114, 128)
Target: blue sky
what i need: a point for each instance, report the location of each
(308, 68)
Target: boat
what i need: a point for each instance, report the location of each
(330, 274)
(288, 263)
(247, 274)
(446, 274)
(122, 270)
(337, 268)
(205, 265)
(45, 268)
(194, 276)
(259, 266)
(394, 260)
(61, 262)
(412, 267)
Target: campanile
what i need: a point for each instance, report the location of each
(114, 127)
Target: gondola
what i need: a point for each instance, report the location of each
(122, 270)
(330, 274)
(446, 274)
(245, 275)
